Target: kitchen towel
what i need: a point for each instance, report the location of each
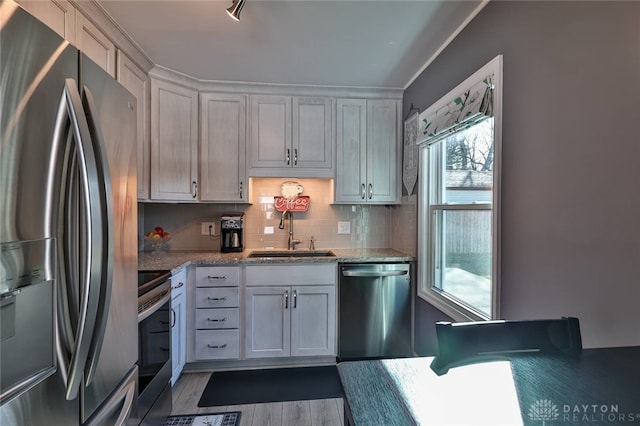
(271, 385)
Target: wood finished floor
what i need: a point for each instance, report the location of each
(319, 412)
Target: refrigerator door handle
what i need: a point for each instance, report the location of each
(106, 212)
(71, 107)
(361, 273)
(124, 395)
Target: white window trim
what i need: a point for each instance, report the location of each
(447, 305)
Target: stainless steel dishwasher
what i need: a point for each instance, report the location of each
(374, 310)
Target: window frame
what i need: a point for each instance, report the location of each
(427, 289)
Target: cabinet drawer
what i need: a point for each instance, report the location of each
(217, 344)
(217, 276)
(217, 318)
(223, 297)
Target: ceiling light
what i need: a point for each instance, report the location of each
(235, 9)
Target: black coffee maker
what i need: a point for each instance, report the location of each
(231, 225)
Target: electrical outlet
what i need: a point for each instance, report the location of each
(344, 227)
(205, 228)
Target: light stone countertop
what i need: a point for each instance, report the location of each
(176, 260)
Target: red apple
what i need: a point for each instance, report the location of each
(159, 231)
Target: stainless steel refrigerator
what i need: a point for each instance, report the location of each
(68, 226)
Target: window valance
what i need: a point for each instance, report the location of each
(471, 106)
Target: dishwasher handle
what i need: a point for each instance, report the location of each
(359, 273)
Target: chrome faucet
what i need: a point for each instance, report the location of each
(292, 242)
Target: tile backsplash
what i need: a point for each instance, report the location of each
(369, 225)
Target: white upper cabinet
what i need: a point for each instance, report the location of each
(174, 142)
(291, 136)
(223, 172)
(95, 44)
(59, 15)
(368, 143)
(312, 137)
(137, 82)
(270, 131)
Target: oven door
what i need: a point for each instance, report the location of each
(154, 347)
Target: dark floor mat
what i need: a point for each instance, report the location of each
(271, 385)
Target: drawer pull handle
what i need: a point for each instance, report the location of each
(217, 319)
(178, 286)
(217, 298)
(222, 346)
(217, 277)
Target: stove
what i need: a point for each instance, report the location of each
(148, 280)
(155, 319)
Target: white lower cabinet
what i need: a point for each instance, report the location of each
(288, 321)
(179, 324)
(217, 313)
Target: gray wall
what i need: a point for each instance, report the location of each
(571, 152)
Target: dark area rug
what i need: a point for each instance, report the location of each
(271, 385)
(231, 418)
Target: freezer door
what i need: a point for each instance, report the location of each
(111, 116)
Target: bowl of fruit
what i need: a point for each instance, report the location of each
(157, 238)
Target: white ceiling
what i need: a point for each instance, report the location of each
(314, 42)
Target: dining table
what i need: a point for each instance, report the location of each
(599, 386)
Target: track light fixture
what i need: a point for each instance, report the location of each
(235, 9)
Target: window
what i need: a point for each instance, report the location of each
(459, 198)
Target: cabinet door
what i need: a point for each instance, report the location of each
(312, 130)
(223, 173)
(59, 15)
(271, 131)
(178, 336)
(174, 142)
(178, 323)
(137, 82)
(313, 321)
(268, 322)
(93, 43)
(350, 185)
(382, 148)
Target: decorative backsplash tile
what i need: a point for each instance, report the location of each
(369, 225)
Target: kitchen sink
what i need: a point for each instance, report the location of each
(292, 253)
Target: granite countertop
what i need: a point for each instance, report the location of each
(176, 260)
